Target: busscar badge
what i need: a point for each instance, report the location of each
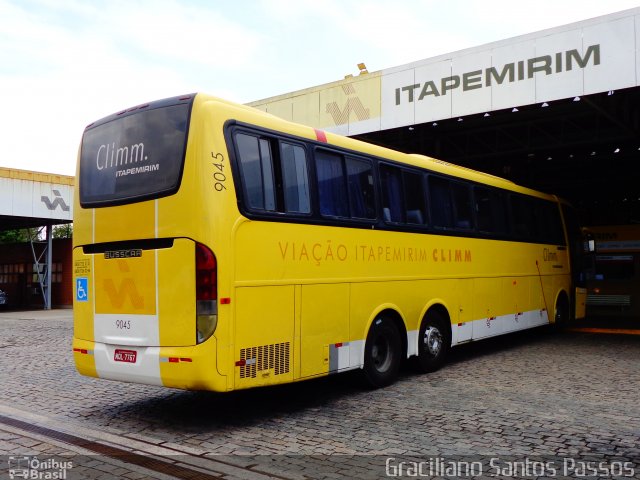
(131, 253)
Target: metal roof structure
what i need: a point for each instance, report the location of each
(34, 199)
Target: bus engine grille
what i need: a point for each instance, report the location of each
(266, 357)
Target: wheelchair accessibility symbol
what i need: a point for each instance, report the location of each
(82, 289)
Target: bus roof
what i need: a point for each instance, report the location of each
(268, 120)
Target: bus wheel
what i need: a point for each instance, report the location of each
(382, 353)
(433, 342)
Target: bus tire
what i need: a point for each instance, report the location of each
(433, 342)
(382, 353)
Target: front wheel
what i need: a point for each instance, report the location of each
(433, 342)
(382, 353)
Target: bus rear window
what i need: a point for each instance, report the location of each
(135, 156)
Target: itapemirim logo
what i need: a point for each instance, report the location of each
(57, 201)
(353, 104)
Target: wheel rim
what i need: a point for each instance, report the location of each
(432, 341)
(381, 354)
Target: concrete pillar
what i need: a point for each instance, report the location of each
(47, 300)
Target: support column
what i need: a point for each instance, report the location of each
(47, 300)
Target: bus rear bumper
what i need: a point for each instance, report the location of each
(189, 368)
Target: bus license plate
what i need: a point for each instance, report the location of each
(127, 356)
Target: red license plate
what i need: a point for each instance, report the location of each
(128, 356)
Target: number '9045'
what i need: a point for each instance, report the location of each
(123, 324)
(219, 177)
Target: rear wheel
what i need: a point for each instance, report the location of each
(433, 342)
(382, 353)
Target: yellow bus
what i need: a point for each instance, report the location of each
(217, 247)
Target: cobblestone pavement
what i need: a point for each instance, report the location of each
(561, 398)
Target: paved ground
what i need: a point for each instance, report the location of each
(571, 401)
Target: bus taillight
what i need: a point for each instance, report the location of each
(206, 293)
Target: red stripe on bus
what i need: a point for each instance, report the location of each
(320, 135)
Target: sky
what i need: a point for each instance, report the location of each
(66, 63)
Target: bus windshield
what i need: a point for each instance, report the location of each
(134, 156)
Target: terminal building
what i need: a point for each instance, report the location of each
(556, 110)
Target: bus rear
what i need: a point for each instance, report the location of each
(145, 270)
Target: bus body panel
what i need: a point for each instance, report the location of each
(131, 221)
(324, 329)
(83, 294)
(193, 368)
(264, 335)
(147, 300)
(176, 293)
(125, 286)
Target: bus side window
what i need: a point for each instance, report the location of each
(549, 223)
(440, 202)
(257, 171)
(523, 221)
(555, 227)
(295, 178)
(491, 211)
(462, 204)
(361, 190)
(392, 207)
(332, 187)
(414, 198)
(402, 196)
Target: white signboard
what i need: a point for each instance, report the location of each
(29, 198)
(561, 63)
